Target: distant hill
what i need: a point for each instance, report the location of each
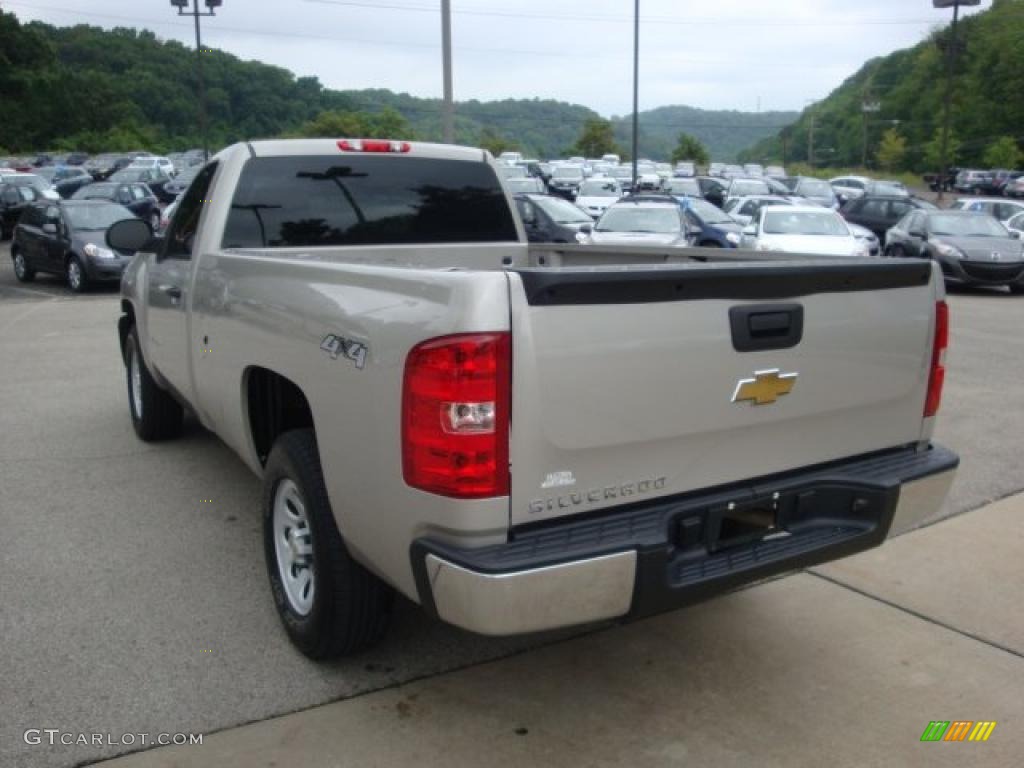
(87, 88)
(908, 87)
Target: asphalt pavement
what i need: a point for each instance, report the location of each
(134, 597)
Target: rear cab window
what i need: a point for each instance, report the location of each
(300, 201)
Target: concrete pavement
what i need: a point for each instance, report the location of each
(797, 672)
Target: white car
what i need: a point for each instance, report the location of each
(867, 237)
(802, 229)
(43, 187)
(850, 187)
(742, 210)
(161, 163)
(1000, 208)
(1016, 224)
(635, 221)
(596, 194)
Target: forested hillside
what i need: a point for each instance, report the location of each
(85, 88)
(908, 88)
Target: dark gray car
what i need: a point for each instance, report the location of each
(68, 238)
(972, 248)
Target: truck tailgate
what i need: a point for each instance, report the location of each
(630, 384)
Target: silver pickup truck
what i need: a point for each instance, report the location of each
(519, 437)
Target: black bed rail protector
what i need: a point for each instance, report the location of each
(659, 283)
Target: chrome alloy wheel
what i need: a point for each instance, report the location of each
(293, 547)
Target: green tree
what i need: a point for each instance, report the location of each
(933, 150)
(689, 148)
(495, 143)
(892, 150)
(1003, 153)
(597, 138)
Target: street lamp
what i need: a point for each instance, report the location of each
(636, 88)
(950, 61)
(211, 6)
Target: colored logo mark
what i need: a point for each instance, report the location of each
(958, 730)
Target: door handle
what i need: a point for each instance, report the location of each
(171, 290)
(766, 326)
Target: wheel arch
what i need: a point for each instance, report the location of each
(274, 404)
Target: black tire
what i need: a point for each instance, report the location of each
(351, 607)
(897, 252)
(75, 274)
(710, 244)
(22, 271)
(156, 415)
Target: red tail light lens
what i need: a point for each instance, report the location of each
(373, 145)
(937, 376)
(455, 415)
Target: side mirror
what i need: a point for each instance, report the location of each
(50, 228)
(129, 235)
(586, 229)
(750, 230)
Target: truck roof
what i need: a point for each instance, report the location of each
(283, 147)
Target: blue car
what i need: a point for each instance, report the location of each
(717, 230)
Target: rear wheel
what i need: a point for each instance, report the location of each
(78, 281)
(21, 268)
(155, 414)
(897, 252)
(329, 604)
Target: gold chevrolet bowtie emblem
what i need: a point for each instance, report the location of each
(765, 388)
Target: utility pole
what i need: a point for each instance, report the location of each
(636, 87)
(195, 13)
(867, 107)
(948, 99)
(810, 143)
(448, 107)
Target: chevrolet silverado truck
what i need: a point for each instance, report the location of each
(520, 437)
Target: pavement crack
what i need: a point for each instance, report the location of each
(917, 614)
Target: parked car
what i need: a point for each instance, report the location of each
(886, 188)
(996, 180)
(512, 171)
(817, 191)
(880, 213)
(682, 186)
(867, 237)
(565, 181)
(716, 229)
(596, 194)
(1014, 188)
(551, 219)
(1000, 208)
(624, 175)
(635, 220)
(67, 238)
(972, 248)
(43, 187)
(745, 187)
(802, 229)
(13, 200)
(685, 168)
(849, 187)
(732, 171)
(715, 169)
(744, 210)
(775, 172)
(65, 179)
(153, 178)
(137, 198)
(713, 188)
(754, 170)
(970, 181)
(648, 182)
(162, 164)
(100, 167)
(531, 185)
(180, 183)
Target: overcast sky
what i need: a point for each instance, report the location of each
(726, 54)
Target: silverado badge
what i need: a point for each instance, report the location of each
(765, 388)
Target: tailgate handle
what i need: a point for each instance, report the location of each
(757, 327)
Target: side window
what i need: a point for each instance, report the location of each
(527, 212)
(124, 197)
(749, 208)
(182, 231)
(138, 193)
(873, 208)
(856, 184)
(10, 196)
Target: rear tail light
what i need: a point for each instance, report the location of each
(938, 371)
(373, 145)
(455, 415)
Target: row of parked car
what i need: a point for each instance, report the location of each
(999, 182)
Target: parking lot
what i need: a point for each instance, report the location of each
(146, 562)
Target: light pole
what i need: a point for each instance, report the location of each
(636, 86)
(211, 6)
(448, 106)
(950, 64)
(866, 108)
